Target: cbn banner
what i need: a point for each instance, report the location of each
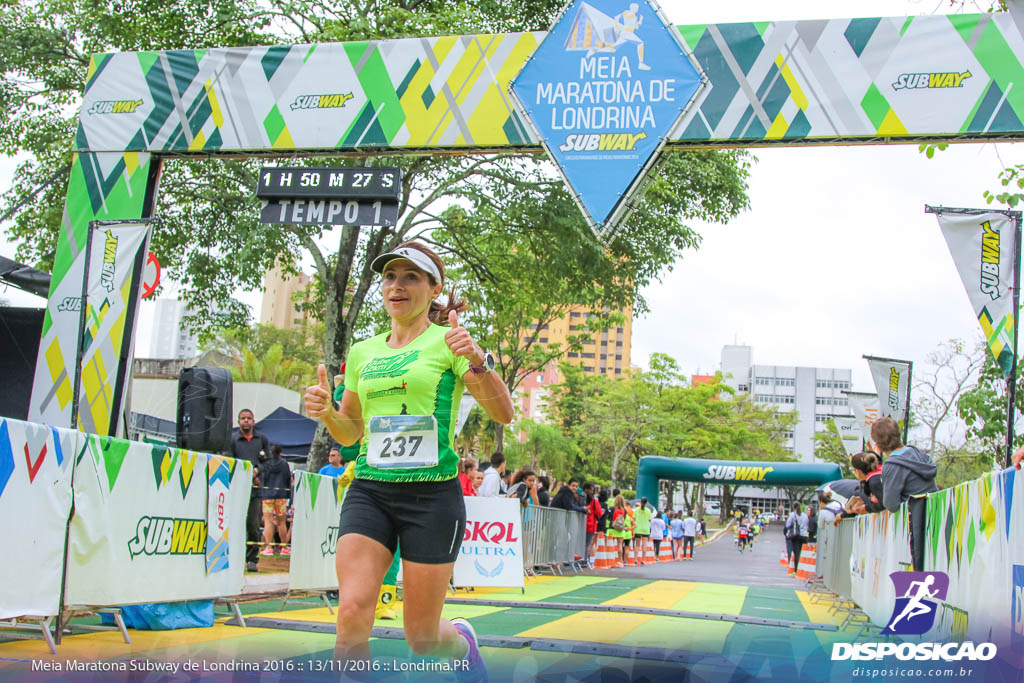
(982, 246)
(881, 545)
(850, 433)
(892, 381)
(35, 500)
(115, 256)
(218, 506)
(317, 504)
(139, 533)
(492, 547)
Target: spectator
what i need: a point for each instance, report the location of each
(567, 498)
(478, 478)
(594, 512)
(544, 491)
(252, 445)
(689, 534)
(333, 468)
(617, 528)
(812, 525)
(867, 470)
(642, 533)
(275, 493)
(506, 481)
(605, 521)
(703, 531)
(797, 522)
(831, 510)
(467, 468)
(676, 532)
(492, 485)
(907, 472)
(524, 487)
(658, 529)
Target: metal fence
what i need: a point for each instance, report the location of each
(553, 537)
(835, 546)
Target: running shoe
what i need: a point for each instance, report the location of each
(477, 671)
(267, 552)
(287, 550)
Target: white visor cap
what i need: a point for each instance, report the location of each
(419, 259)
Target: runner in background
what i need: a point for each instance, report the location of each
(689, 534)
(643, 515)
(657, 533)
(401, 399)
(676, 531)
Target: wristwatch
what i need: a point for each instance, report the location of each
(486, 367)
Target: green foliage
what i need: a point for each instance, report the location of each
(273, 368)
(656, 413)
(828, 446)
(546, 449)
(983, 410)
(1011, 178)
(956, 467)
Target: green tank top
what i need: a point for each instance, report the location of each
(422, 378)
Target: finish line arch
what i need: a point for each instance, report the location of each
(873, 80)
(653, 468)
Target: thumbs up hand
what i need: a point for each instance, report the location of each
(318, 399)
(461, 342)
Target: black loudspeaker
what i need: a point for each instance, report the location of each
(204, 409)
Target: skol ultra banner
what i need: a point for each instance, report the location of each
(218, 506)
(892, 382)
(881, 545)
(317, 504)
(492, 547)
(974, 535)
(139, 533)
(35, 501)
(850, 432)
(982, 246)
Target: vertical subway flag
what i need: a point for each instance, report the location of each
(113, 276)
(982, 246)
(892, 379)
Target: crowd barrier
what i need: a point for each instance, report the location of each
(974, 533)
(553, 536)
(150, 524)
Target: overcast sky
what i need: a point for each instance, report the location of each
(835, 258)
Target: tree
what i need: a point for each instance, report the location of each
(273, 368)
(211, 242)
(545, 449)
(828, 446)
(983, 410)
(952, 370)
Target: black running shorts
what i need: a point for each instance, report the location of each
(428, 518)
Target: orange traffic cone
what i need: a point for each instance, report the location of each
(665, 553)
(650, 557)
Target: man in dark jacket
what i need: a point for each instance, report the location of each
(906, 472)
(567, 497)
(252, 445)
(277, 490)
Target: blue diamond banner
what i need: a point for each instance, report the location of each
(603, 91)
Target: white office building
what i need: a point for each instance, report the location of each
(170, 339)
(816, 394)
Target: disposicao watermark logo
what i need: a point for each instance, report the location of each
(915, 611)
(918, 595)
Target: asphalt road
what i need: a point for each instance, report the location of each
(722, 562)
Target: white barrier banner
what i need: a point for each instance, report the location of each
(35, 501)
(975, 536)
(492, 547)
(139, 531)
(881, 545)
(317, 504)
